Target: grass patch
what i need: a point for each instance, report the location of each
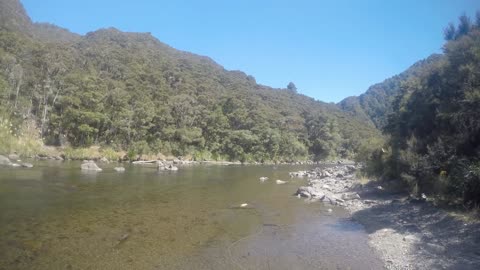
(24, 140)
(82, 153)
(363, 178)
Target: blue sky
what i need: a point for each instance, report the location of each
(329, 49)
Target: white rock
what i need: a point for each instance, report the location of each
(5, 161)
(90, 166)
(119, 169)
(280, 182)
(167, 168)
(263, 179)
(244, 205)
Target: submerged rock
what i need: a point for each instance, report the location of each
(27, 165)
(263, 179)
(90, 166)
(280, 182)
(119, 169)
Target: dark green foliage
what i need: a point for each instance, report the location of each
(434, 127)
(449, 32)
(477, 18)
(291, 86)
(130, 91)
(464, 26)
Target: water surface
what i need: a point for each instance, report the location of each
(55, 216)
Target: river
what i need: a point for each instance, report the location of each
(54, 216)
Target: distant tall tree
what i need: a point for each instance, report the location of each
(291, 86)
(449, 32)
(477, 18)
(464, 26)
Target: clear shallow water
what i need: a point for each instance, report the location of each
(55, 216)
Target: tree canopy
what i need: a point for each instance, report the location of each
(434, 123)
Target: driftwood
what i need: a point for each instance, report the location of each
(145, 162)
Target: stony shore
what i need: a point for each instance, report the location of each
(406, 233)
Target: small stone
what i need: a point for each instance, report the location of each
(280, 182)
(119, 169)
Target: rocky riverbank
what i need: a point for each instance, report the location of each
(406, 233)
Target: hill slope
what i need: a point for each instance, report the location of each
(375, 104)
(131, 91)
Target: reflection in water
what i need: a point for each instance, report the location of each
(55, 216)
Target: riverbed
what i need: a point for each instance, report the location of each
(54, 216)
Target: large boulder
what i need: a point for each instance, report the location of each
(5, 161)
(90, 166)
(13, 157)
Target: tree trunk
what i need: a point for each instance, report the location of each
(19, 84)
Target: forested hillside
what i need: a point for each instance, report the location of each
(434, 127)
(130, 91)
(376, 103)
